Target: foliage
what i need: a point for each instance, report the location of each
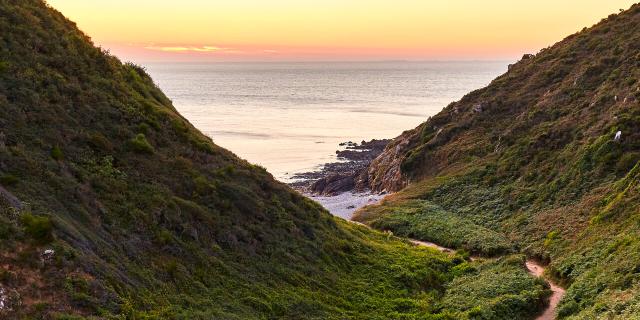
(153, 220)
(38, 228)
(140, 144)
(501, 289)
(538, 164)
(423, 220)
(56, 153)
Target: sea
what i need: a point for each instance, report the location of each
(290, 117)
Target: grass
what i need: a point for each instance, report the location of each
(149, 219)
(501, 289)
(420, 219)
(538, 169)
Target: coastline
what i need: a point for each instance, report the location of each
(342, 186)
(344, 205)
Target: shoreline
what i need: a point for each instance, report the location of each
(348, 174)
(342, 187)
(344, 205)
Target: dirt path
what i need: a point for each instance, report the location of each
(533, 268)
(549, 313)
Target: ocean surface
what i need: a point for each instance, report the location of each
(290, 117)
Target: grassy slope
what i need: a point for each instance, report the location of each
(539, 166)
(149, 219)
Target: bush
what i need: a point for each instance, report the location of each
(4, 66)
(56, 153)
(140, 144)
(5, 229)
(99, 142)
(9, 180)
(627, 162)
(38, 228)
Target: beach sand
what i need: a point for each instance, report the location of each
(345, 204)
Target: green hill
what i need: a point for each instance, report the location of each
(531, 164)
(113, 206)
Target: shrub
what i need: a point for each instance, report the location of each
(627, 162)
(38, 228)
(4, 65)
(140, 144)
(5, 229)
(9, 180)
(100, 142)
(164, 237)
(56, 153)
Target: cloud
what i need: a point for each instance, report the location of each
(178, 49)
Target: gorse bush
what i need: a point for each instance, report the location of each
(140, 144)
(39, 228)
(56, 153)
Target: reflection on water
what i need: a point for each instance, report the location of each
(290, 117)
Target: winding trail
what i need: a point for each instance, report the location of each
(557, 292)
(533, 267)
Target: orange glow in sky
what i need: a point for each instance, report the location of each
(143, 30)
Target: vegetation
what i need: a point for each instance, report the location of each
(532, 157)
(501, 290)
(421, 219)
(38, 228)
(146, 218)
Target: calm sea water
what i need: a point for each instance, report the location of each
(290, 117)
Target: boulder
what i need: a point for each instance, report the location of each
(334, 184)
(47, 255)
(479, 107)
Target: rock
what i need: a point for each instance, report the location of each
(337, 177)
(528, 56)
(10, 300)
(629, 99)
(384, 172)
(3, 299)
(47, 255)
(333, 185)
(618, 136)
(479, 107)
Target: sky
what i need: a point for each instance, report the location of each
(257, 30)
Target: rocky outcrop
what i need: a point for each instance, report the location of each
(334, 184)
(384, 173)
(350, 174)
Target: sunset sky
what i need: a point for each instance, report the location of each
(220, 30)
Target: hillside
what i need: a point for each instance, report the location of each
(531, 164)
(113, 206)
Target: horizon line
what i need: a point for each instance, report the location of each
(196, 61)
